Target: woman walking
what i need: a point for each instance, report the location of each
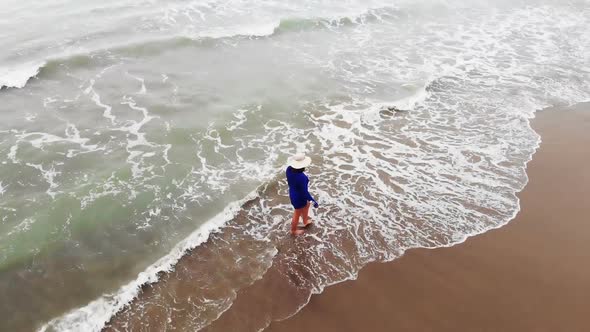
(298, 191)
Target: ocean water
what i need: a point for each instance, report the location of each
(142, 139)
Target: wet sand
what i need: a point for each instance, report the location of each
(530, 275)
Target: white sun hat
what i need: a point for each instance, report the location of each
(299, 160)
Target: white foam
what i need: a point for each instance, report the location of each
(23, 226)
(254, 30)
(49, 175)
(17, 76)
(107, 113)
(40, 140)
(31, 117)
(240, 116)
(142, 90)
(12, 153)
(137, 138)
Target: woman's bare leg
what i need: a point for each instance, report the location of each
(306, 220)
(296, 214)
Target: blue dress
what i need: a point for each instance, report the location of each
(298, 192)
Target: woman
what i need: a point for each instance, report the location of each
(298, 192)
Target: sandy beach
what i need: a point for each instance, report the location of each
(530, 275)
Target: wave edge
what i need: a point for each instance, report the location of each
(96, 314)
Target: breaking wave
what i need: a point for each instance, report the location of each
(97, 313)
(17, 76)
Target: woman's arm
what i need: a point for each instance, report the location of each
(307, 194)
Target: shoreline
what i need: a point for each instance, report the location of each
(258, 289)
(254, 301)
(107, 306)
(412, 292)
(274, 280)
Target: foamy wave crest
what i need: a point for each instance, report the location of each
(97, 313)
(302, 24)
(261, 30)
(18, 76)
(296, 24)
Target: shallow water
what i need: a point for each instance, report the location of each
(130, 125)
